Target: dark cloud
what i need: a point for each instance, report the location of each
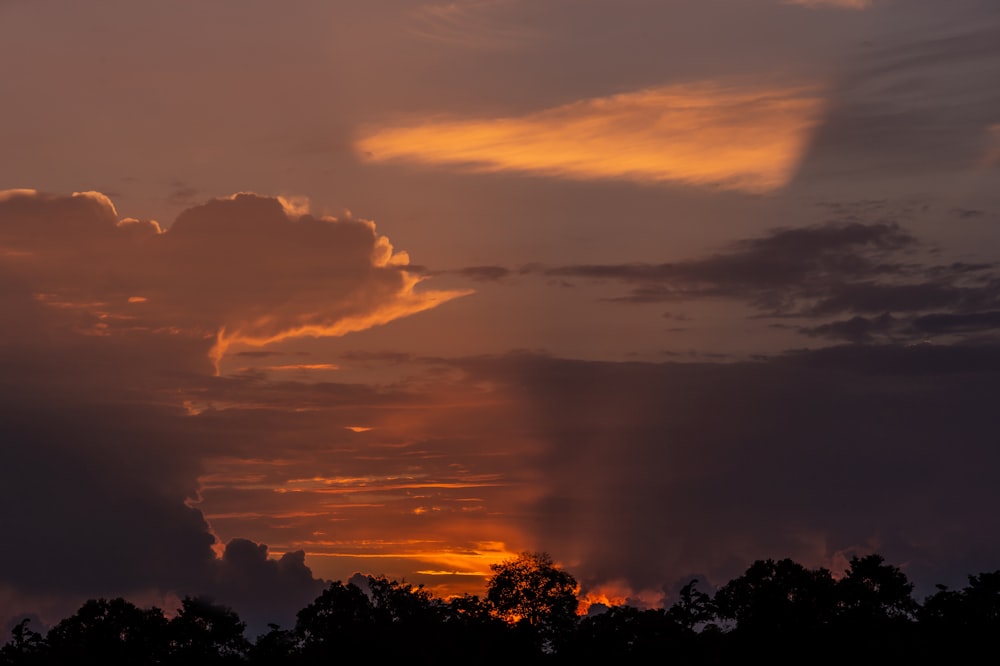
(652, 471)
(264, 590)
(922, 101)
(96, 468)
(861, 329)
(819, 272)
(183, 194)
(856, 329)
(945, 323)
(107, 388)
(773, 272)
(967, 213)
(484, 273)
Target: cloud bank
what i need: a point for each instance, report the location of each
(109, 329)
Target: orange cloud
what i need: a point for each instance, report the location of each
(730, 137)
(246, 270)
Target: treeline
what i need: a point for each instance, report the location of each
(778, 611)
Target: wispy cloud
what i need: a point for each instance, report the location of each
(730, 137)
(474, 24)
(877, 275)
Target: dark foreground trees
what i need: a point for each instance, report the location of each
(532, 593)
(778, 611)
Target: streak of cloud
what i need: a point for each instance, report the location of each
(710, 134)
(875, 272)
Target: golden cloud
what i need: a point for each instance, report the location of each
(731, 137)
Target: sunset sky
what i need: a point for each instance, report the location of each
(295, 290)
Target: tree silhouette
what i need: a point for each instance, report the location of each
(960, 625)
(338, 624)
(206, 632)
(876, 610)
(782, 611)
(626, 631)
(778, 612)
(109, 632)
(693, 608)
(872, 590)
(778, 596)
(26, 647)
(531, 591)
(277, 646)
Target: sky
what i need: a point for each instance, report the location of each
(296, 290)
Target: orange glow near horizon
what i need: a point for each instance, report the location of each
(436, 562)
(710, 134)
(606, 596)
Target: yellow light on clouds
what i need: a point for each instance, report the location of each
(738, 138)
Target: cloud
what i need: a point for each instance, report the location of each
(652, 471)
(248, 270)
(97, 465)
(262, 589)
(937, 325)
(710, 134)
(484, 273)
(822, 271)
(919, 104)
(106, 333)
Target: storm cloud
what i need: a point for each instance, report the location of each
(654, 471)
(111, 330)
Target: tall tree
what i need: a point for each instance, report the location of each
(872, 590)
(206, 632)
(531, 591)
(109, 632)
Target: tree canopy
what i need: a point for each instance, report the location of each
(778, 611)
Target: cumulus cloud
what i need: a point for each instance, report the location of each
(247, 270)
(108, 330)
(264, 590)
